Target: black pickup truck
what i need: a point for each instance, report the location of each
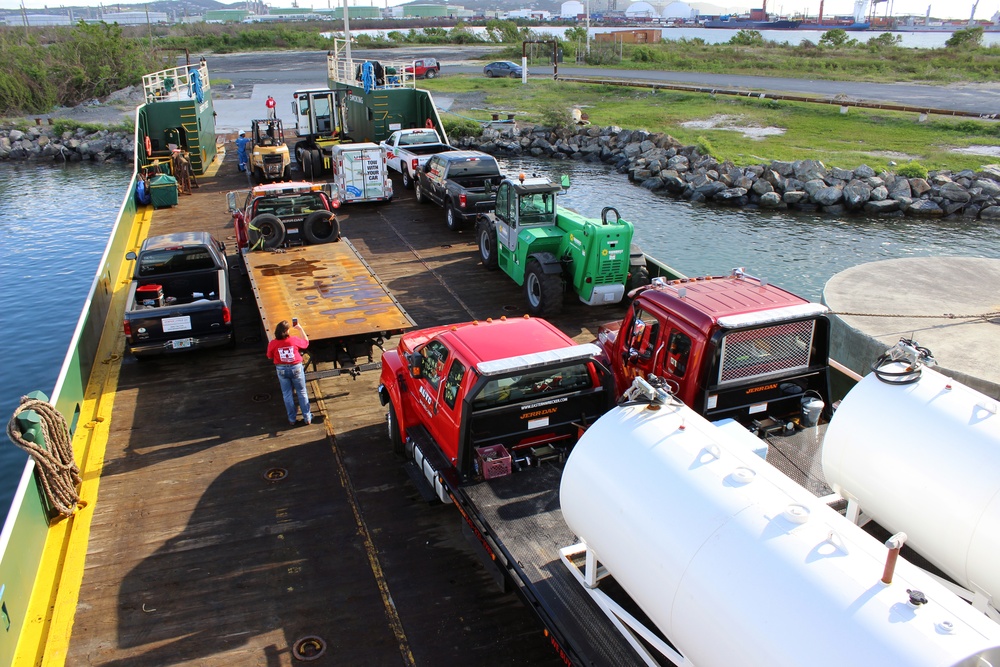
(179, 298)
(463, 182)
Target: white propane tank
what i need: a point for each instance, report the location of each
(737, 565)
(924, 458)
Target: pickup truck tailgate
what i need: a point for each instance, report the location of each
(329, 287)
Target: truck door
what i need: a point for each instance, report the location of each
(506, 215)
(642, 346)
(438, 392)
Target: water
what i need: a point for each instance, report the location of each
(54, 224)
(916, 40)
(799, 252)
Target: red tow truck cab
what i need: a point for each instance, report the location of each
(731, 346)
(520, 383)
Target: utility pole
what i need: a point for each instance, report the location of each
(347, 35)
(588, 27)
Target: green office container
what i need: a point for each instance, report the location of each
(163, 190)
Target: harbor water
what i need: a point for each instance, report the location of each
(54, 223)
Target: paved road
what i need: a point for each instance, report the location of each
(309, 68)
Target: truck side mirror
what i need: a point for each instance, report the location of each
(131, 256)
(488, 186)
(414, 362)
(231, 202)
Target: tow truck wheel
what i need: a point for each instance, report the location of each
(317, 163)
(286, 175)
(543, 291)
(407, 181)
(487, 245)
(452, 218)
(307, 165)
(395, 439)
(418, 193)
(300, 151)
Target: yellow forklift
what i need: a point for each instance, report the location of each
(269, 156)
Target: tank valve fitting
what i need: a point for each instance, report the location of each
(893, 544)
(917, 598)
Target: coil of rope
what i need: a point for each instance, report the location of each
(58, 473)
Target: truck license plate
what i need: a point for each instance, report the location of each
(181, 343)
(182, 323)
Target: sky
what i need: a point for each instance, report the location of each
(941, 9)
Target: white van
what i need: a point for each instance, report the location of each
(359, 170)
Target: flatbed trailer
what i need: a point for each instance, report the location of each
(516, 526)
(331, 289)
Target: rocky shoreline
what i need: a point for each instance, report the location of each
(655, 161)
(42, 142)
(659, 163)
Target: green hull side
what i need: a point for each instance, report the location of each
(186, 123)
(375, 115)
(24, 533)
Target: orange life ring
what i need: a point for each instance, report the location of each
(429, 124)
(149, 146)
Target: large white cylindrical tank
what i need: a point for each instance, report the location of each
(738, 565)
(924, 458)
(571, 9)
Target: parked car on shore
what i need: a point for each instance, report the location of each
(502, 68)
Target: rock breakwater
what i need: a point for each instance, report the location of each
(659, 163)
(46, 143)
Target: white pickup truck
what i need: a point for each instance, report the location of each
(407, 151)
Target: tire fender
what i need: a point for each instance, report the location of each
(636, 256)
(314, 227)
(550, 263)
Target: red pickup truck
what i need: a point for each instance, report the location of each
(460, 388)
(425, 68)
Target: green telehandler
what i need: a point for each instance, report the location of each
(550, 250)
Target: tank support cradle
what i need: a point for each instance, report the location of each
(587, 570)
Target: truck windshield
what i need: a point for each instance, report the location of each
(173, 260)
(533, 385)
(537, 207)
(755, 353)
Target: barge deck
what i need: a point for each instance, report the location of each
(224, 537)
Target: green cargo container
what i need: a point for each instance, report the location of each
(163, 190)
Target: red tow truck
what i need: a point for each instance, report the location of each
(487, 413)
(728, 346)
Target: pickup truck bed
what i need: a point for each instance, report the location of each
(329, 287)
(519, 515)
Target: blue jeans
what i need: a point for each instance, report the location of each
(293, 384)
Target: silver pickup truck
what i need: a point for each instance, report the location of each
(179, 298)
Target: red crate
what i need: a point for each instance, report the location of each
(494, 461)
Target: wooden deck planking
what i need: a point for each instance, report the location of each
(237, 567)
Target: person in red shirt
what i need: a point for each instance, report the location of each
(286, 353)
(270, 104)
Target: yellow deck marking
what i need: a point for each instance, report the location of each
(392, 615)
(45, 637)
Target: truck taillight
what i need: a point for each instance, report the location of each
(336, 203)
(462, 200)
(127, 328)
(415, 165)
(227, 317)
